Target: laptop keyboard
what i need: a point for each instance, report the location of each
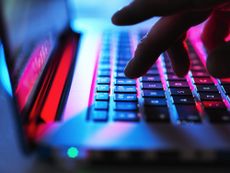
(159, 96)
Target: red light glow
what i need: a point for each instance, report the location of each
(53, 99)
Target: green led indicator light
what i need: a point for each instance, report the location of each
(72, 152)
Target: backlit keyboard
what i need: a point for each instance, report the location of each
(159, 96)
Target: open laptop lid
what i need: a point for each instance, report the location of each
(30, 32)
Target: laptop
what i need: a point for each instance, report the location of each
(74, 102)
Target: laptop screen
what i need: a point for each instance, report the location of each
(30, 35)
(29, 29)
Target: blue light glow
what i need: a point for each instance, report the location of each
(4, 75)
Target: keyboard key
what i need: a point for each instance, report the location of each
(154, 67)
(121, 63)
(148, 85)
(101, 105)
(214, 105)
(200, 74)
(180, 92)
(203, 81)
(125, 97)
(100, 116)
(125, 82)
(177, 84)
(167, 66)
(196, 62)
(155, 102)
(105, 67)
(152, 73)
(119, 69)
(106, 48)
(104, 62)
(150, 79)
(103, 73)
(124, 50)
(157, 114)
(103, 80)
(192, 55)
(188, 113)
(125, 89)
(172, 77)
(185, 100)
(202, 70)
(153, 93)
(126, 116)
(102, 96)
(197, 68)
(105, 52)
(206, 88)
(125, 106)
(124, 55)
(169, 70)
(210, 96)
(119, 75)
(102, 88)
(218, 115)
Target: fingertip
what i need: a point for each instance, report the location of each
(129, 74)
(114, 19)
(117, 18)
(215, 30)
(182, 71)
(131, 14)
(124, 16)
(218, 62)
(179, 58)
(131, 71)
(213, 69)
(210, 68)
(181, 74)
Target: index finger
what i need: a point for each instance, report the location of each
(140, 10)
(162, 35)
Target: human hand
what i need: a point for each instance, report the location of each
(169, 32)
